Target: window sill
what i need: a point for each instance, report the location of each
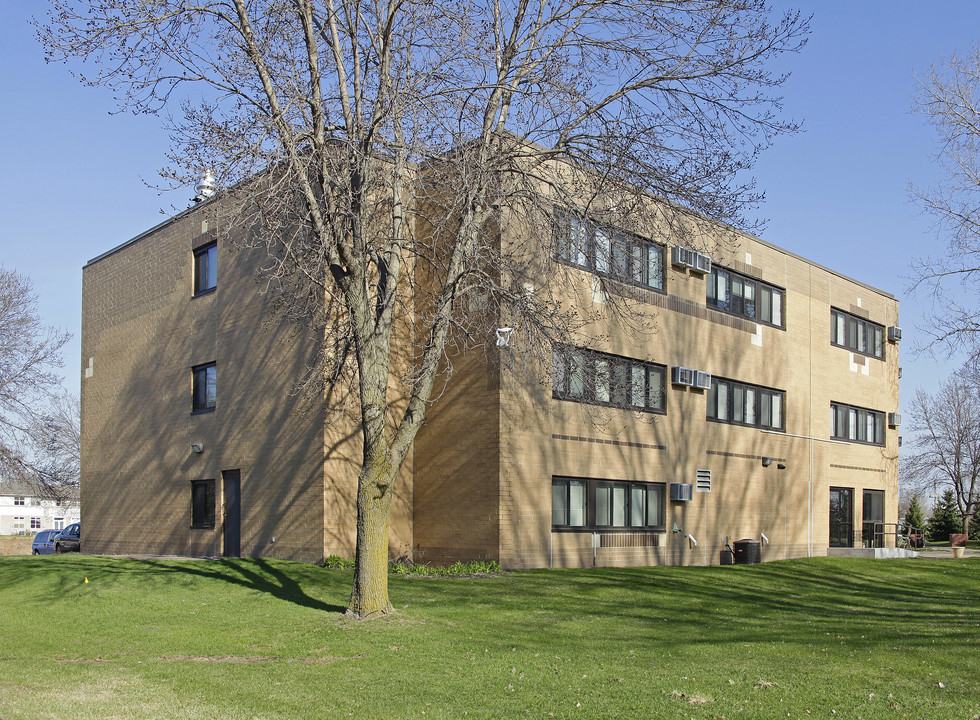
(764, 428)
(850, 441)
(612, 406)
(746, 318)
(202, 527)
(858, 352)
(202, 411)
(209, 291)
(590, 530)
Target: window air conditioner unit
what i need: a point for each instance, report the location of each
(894, 333)
(702, 264)
(681, 492)
(894, 419)
(682, 376)
(702, 380)
(681, 256)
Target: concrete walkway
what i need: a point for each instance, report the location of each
(945, 552)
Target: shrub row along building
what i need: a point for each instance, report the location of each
(761, 405)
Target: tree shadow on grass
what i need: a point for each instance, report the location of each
(254, 574)
(261, 575)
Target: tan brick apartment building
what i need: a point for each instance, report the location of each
(762, 408)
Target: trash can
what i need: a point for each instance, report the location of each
(747, 552)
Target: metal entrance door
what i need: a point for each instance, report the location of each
(232, 480)
(873, 515)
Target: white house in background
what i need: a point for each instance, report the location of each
(25, 512)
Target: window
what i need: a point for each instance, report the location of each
(35, 523)
(744, 404)
(20, 500)
(741, 295)
(205, 269)
(18, 523)
(583, 503)
(609, 252)
(204, 387)
(856, 424)
(202, 504)
(600, 379)
(856, 334)
(59, 523)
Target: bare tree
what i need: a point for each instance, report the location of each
(949, 97)
(29, 354)
(395, 152)
(947, 442)
(53, 460)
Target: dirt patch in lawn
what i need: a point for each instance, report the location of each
(15, 545)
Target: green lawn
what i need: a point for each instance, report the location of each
(256, 639)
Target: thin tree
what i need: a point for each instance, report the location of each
(914, 517)
(30, 353)
(945, 519)
(947, 442)
(949, 97)
(397, 152)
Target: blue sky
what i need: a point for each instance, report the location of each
(72, 182)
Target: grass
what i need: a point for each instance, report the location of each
(263, 639)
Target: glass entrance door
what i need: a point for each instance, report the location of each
(841, 517)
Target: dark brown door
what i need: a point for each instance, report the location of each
(232, 480)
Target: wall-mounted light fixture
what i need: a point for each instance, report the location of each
(780, 466)
(766, 461)
(197, 448)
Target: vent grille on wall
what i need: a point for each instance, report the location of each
(704, 481)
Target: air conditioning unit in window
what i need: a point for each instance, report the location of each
(702, 264)
(894, 333)
(894, 419)
(681, 376)
(681, 256)
(681, 492)
(702, 380)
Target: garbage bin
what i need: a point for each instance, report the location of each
(747, 552)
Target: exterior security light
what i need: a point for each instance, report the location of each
(766, 461)
(197, 448)
(503, 336)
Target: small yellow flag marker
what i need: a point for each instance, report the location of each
(86, 581)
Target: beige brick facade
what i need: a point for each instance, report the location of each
(479, 482)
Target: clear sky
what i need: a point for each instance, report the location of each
(73, 176)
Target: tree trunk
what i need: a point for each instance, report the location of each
(369, 596)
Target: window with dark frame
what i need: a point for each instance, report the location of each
(599, 378)
(740, 403)
(20, 500)
(855, 424)
(591, 503)
(204, 380)
(857, 334)
(202, 503)
(205, 268)
(742, 295)
(612, 253)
